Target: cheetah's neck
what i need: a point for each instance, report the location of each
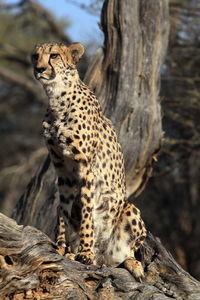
(60, 92)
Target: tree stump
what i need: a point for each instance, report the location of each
(125, 77)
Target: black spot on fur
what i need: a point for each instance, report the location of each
(140, 225)
(75, 150)
(135, 211)
(76, 136)
(84, 162)
(128, 213)
(63, 94)
(137, 244)
(88, 184)
(134, 222)
(68, 140)
(127, 227)
(83, 182)
(118, 249)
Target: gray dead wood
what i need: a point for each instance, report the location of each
(31, 269)
(125, 77)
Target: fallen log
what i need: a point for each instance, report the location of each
(32, 269)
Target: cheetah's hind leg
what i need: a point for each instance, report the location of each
(128, 238)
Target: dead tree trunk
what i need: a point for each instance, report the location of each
(125, 77)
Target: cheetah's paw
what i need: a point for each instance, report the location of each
(134, 267)
(71, 256)
(85, 258)
(61, 248)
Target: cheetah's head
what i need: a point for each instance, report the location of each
(50, 60)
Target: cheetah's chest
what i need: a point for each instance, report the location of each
(54, 130)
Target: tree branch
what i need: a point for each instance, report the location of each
(26, 84)
(42, 13)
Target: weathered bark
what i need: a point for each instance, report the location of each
(38, 205)
(31, 269)
(125, 77)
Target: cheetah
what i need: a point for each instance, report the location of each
(96, 222)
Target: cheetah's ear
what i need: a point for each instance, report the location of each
(76, 50)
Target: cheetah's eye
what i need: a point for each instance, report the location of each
(35, 56)
(54, 55)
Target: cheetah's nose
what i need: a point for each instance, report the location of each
(40, 70)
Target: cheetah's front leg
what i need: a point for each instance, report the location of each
(86, 254)
(128, 236)
(67, 186)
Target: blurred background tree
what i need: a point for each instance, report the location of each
(172, 194)
(22, 99)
